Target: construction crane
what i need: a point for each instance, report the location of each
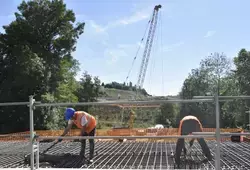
(148, 46)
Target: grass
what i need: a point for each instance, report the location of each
(124, 94)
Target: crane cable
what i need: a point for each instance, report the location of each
(153, 59)
(162, 61)
(157, 42)
(147, 26)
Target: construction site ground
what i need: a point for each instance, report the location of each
(124, 155)
(131, 154)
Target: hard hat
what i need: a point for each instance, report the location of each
(69, 113)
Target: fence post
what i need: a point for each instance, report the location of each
(31, 103)
(217, 112)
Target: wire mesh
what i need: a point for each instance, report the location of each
(125, 155)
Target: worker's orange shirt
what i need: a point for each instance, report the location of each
(190, 117)
(91, 120)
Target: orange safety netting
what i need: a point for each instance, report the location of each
(112, 132)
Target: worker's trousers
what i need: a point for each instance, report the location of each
(91, 144)
(188, 127)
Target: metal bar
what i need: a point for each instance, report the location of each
(144, 153)
(31, 101)
(203, 99)
(136, 145)
(222, 134)
(217, 112)
(130, 160)
(232, 155)
(161, 157)
(172, 151)
(114, 151)
(201, 153)
(14, 103)
(249, 120)
(222, 97)
(239, 160)
(194, 133)
(156, 156)
(225, 162)
(103, 152)
(239, 157)
(37, 155)
(149, 155)
(38, 104)
(119, 157)
(124, 137)
(21, 135)
(166, 154)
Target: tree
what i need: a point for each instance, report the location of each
(36, 55)
(167, 116)
(242, 73)
(89, 89)
(216, 67)
(211, 74)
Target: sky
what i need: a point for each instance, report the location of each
(187, 31)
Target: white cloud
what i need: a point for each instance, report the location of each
(121, 50)
(98, 28)
(80, 16)
(130, 46)
(113, 55)
(140, 44)
(138, 16)
(172, 46)
(209, 34)
(134, 18)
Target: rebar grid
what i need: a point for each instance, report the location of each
(127, 155)
(215, 99)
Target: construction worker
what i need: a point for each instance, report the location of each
(86, 123)
(188, 125)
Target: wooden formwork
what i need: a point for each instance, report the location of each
(115, 132)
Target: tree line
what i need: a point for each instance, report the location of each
(125, 86)
(216, 73)
(36, 59)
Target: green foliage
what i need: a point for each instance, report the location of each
(124, 86)
(36, 55)
(36, 59)
(242, 74)
(167, 116)
(89, 89)
(212, 74)
(215, 74)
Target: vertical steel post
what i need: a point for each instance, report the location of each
(122, 116)
(31, 102)
(37, 155)
(217, 112)
(248, 124)
(249, 120)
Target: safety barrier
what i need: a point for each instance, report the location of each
(34, 144)
(113, 132)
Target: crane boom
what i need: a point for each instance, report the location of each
(148, 46)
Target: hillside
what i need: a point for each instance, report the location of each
(114, 94)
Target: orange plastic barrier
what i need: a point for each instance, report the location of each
(113, 132)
